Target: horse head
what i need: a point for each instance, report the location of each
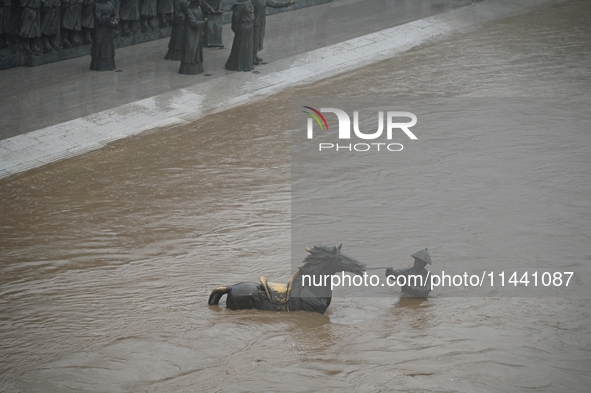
(334, 259)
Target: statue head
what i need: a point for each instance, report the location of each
(333, 256)
(422, 258)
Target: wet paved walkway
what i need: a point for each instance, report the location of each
(61, 110)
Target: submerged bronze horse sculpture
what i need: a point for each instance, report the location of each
(313, 293)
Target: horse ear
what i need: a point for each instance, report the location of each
(340, 245)
(309, 250)
(335, 251)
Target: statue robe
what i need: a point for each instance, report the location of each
(241, 55)
(102, 51)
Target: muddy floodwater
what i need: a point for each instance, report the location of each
(107, 260)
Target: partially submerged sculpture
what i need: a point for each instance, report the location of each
(417, 278)
(300, 293)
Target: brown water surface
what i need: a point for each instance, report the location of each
(107, 259)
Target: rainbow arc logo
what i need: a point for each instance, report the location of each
(317, 116)
(388, 121)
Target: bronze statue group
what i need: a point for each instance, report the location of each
(194, 22)
(193, 18)
(44, 26)
(189, 33)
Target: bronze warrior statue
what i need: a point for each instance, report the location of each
(29, 25)
(102, 51)
(87, 21)
(192, 48)
(50, 25)
(241, 54)
(260, 21)
(165, 10)
(175, 44)
(213, 31)
(129, 14)
(417, 278)
(71, 23)
(148, 12)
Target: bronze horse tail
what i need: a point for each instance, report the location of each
(217, 294)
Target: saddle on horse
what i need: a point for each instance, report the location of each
(276, 293)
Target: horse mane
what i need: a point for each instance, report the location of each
(319, 254)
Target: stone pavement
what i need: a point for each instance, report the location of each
(61, 110)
